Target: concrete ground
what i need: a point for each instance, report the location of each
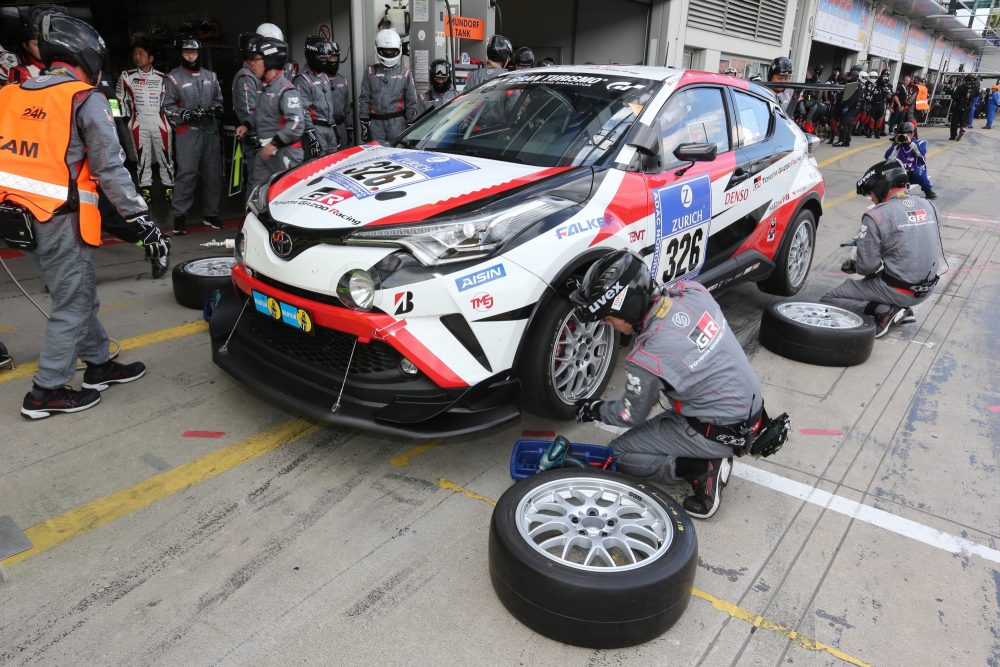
(872, 538)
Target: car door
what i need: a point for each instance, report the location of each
(684, 196)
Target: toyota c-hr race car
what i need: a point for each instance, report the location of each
(420, 289)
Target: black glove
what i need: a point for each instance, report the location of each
(150, 238)
(187, 115)
(588, 410)
(365, 132)
(849, 266)
(217, 111)
(313, 147)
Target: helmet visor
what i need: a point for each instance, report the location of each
(388, 53)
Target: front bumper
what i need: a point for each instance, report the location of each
(304, 374)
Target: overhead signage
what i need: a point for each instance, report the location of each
(843, 23)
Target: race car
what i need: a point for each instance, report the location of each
(420, 289)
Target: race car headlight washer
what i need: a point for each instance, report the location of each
(462, 238)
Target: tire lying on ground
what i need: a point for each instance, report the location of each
(592, 558)
(197, 279)
(815, 333)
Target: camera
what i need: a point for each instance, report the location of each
(902, 138)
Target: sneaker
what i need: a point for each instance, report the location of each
(708, 489)
(908, 317)
(40, 403)
(159, 266)
(960, 135)
(147, 194)
(930, 194)
(212, 221)
(885, 321)
(168, 194)
(179, 226)
(103, 376)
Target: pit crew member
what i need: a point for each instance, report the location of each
(388, 100)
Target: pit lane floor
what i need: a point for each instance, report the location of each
(872, 538)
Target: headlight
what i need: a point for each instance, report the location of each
(462, 238)
(257, 203)
(356, 289)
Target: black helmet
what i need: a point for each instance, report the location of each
(618, 285)
(189, 44)
(818, 70)
(524, 56)
(67, 39)
(882, 177)
(548, 62)
(318, 52)
(333, 64)
(970, 77)
(274, 51)
(33, 18)
(440, 68)
(780, 65)
(500, 50)
(246, 44)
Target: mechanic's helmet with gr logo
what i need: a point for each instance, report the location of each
(617, 285)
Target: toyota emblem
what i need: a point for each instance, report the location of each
(281, 243)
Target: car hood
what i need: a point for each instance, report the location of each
(375, 185)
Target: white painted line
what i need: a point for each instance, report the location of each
(876, 517)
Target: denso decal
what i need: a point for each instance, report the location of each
(396, 170)
(737, 196)
(481, 277)
(575, 228)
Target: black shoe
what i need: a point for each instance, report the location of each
(103, 376)
(952, 139)
(212, 221)
(179, 226)
(708, 489)
(960, 135)
(930, 194)
(40, 403)
(885, 321)
(908, 317)
(838, 144)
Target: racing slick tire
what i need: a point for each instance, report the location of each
(197, 279)
(791, 264)
(631, 592)
(815, 333)
(566, 360)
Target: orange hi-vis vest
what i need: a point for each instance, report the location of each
(922, 104)
(35, 128)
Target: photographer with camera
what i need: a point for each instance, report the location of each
(912, 153)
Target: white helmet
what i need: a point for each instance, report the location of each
(388, 47)
(873, 75)
(863, 76)
(270, 30)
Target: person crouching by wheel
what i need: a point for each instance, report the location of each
(899, 251)
(685, 349)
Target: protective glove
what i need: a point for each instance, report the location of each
(187, 115)
(365, 132)
(313, 146)
(150, 238)
(217, 111)
(588, 410)
(849, 267)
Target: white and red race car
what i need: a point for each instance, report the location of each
(420, 289)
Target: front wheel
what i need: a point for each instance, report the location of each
(791, 265)
(566, 360)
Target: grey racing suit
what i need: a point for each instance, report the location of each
(66, 264)
(388, 101)
(142, 94)
(482, 74)
(899, 246)
(340, 107)
(433, 99)
(246, 87)
(198, 141)
(687, 352)
(280, 120)
(315, 91)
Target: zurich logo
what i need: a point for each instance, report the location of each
(281, 243)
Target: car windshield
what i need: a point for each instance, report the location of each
(545, 120)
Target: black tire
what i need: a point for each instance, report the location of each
(197, 279)
(599, 608)
(817, 342)
(541, 395)
(788, 278)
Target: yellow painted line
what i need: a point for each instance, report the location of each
(84, 518)
(457, 488)
(849, 152)
(133, 343)
(827, 205)
(107, 308)
(733, 610)
(6, 329)
(764, 624)
(940, 149)
(404, 459)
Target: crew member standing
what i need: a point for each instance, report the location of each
(850, 102)
(388, 101)
(313, 84)
(51, 185)
(499, 52)
(780, 71)
(192, 101)
(246, 87)
(961, 102)
(441, 91)
(141, 92)
(280, 120)
(340, 99)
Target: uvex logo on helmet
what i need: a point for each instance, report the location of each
(608, 295)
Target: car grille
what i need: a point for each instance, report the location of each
(326, 352)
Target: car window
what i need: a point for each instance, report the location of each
(693, 115)
(753, 118)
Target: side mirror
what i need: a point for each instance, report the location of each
(645, 139)
(696, 152)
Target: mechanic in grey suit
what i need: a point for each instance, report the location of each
(685, 350)
(246, 87)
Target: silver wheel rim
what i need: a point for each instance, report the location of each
(210, 267)
(595, 524)
(820, 315)
(800, 254)
(581, 357)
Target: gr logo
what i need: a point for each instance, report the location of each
(404, 303)
(687, 196)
